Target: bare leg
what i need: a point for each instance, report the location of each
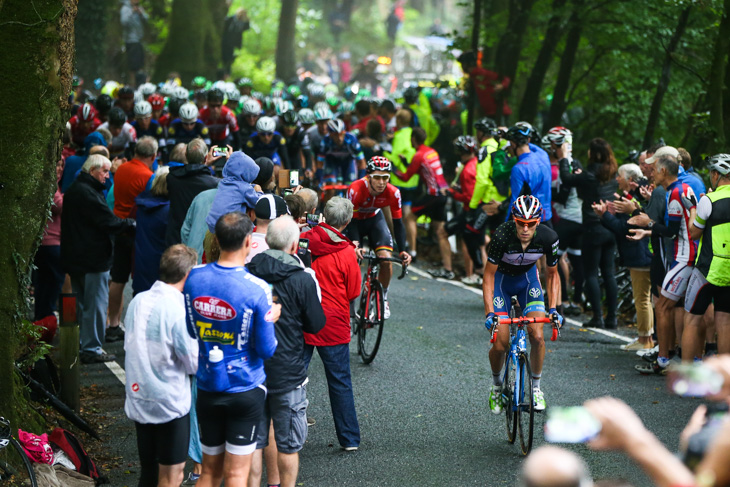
(692, 338)
(270, 459)
(664, 325)
(235, 470)
(722, 324)
(678, 324)
(257, 468)
(386, 269)
(468, 264)
(289, 469)
(537, 343)
(444, 247)
(409, 219)
(212, 473)
(116, 303)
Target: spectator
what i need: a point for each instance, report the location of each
(265, 179)
(488, 85)
(233, 29)
(73, 163)
(133, 19)
(160, 356)
(153, 208)
(87, 229)
(550, 466)
(123, 134)
(235, 191)
(130, 180)
(338, 273)
(286, 371)
(296, 206)
(185, 182)
(177, 155)
(231, 392)
(311, 202)
(194, 228)
(268, 208)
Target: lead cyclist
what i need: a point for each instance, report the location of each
(510, 271)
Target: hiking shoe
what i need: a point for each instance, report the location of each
(635, 346)
(114, 334)
(311, 421)
(96, 358)
(538, 399)
(442, 273)
(495, 399)
(192, 479)
(473, 280)
(386, 311)
(651, 369)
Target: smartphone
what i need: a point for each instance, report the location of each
(694, 380)
(286, 191)
(303, 247)
(313, 219)
(220, 152)
(293, 178)
(570, 425)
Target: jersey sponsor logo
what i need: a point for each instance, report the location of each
(534, 292)
(135, 387)
(214, 308)
(269, 315)
(498, 302)
(207, 333)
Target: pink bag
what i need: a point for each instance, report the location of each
(36, 447)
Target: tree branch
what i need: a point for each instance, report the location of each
(580, 78)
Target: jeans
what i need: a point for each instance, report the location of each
(195, 449)
(48, 280)
(641, 287)
(336, 361)
(92, 299)
(599, 251)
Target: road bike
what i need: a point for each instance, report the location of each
(517, 397)
(369, 319)
(15, 467)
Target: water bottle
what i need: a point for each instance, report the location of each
(217, 373)
(215, 355)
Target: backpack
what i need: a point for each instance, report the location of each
(71, 446)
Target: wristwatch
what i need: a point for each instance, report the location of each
(651, 224)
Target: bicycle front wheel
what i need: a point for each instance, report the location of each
(15, 467)
(371, 328)
(526, 408)
(508, 387)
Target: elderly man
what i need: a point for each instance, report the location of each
(286, 371)
(338, 273)
(87, 228)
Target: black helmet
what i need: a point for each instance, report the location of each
(518, 135)
(486, 125)
(174, 106)
(411, 94)
(117, 117)
(125, 92)
(104, 103)
(465, 144)
(215, 95)
(290, 117)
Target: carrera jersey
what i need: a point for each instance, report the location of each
(366, 205)
(679, 210)
(506, 252)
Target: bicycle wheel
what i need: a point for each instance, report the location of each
(359, 320)
(371, 329)
(15, 467)
(508, 403)
(526, 409)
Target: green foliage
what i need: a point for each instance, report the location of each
(90, 35)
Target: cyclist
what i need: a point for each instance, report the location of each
(187, 127)
(368, 196)
(144, 125)
(297, 142)
(123, 134)
(322, 116)
(340, 154)
(220, 120)
(267, 142)
(248, 118)
(511, 271)
(158, 106)
(83, 123)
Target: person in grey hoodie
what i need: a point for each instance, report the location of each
(133, 19)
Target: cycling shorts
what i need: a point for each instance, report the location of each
(571, 236)
(230, 422)
(374, 228)
(166, 443)
(701, 293)
(340, 172)
(675, 281)
(433, 207)
(526, 287)
(408, 195)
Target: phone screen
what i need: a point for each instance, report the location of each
(303, 244)
(313, 219)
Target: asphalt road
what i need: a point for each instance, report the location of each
(422, 404)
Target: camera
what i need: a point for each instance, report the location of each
(220, 152)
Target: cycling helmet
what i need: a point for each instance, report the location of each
(245, 83)
(117, 117)
(87, 112)
(77, 81)
(322, 113)
(289, 117)
(486, 125)
(532, 131)
(215, 95)
(110, 88)
(251, 107)
(379, 163)
(560, 136)
(349, 94)
(181, 93)
(125, 92)
(276, 93)
(331, 89)
(280, 106)
(142, 109)
(138, 96)
(336, 126)
(189, 113)
(199, 82)
(147, 89)
(316, 90)
(174, 106)
(332, 101)
(233, 95)
(266, 125)
(720, 163)
(303, 101)
(157, 102)
(219, 85)
(306, 116)
(526, 207)
(294, 91)
(346, 107)
(104, 103)
(518, 135)
(465, 144)
(320, 105)
(545, 142)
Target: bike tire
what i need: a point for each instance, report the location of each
(359, 320)
(370, 331)
(526, 409)
(9, 475)
(508, 387)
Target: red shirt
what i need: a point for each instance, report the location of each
(79, 132)
(363, 124)
(484, 81)
(427, 163)
(367, 205)
(129, 181)
(220, 127)
(467, 181)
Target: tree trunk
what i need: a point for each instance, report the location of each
(661, 89)
(286, 66)
(37, 55)
(90, 28)
(193, 46)
(559, 103)
(531, 98)
(471, 98)
(718, 77)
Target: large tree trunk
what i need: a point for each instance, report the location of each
(559, 103)
(37, 63)
(193, 46)
(661, 89)
(91, 32)
(286, 65)
(471, 96)
(553, 33)
(718, 103)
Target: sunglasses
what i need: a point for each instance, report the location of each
(266, 134)
(384, 177)
(528, 223)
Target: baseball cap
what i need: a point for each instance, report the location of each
(663, 151)
(270, 207)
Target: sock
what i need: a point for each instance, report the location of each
(497, 379)
(560, 310)
(662, 361)
(710, 347)
(385, 293)
(536, 381)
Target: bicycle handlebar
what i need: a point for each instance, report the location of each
(527, 320)
(372, 256)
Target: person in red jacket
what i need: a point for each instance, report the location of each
(488, 85)
(338, 273)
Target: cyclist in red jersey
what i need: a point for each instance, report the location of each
(83, 123)
(368, 196)
(221, 121)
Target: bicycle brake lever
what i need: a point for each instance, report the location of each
(404, 271)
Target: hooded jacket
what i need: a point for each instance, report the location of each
(74, 163)
(338, 274)
(235, 191)
(149, 239)
(301, 311)
(184, 183)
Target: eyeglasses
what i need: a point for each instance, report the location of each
(383, 177)
(528, 223)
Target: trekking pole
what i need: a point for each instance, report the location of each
(69, 347)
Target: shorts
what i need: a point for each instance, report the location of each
(288, 412)
(675, 282)
(570, 235)
(230, 422)
(408, 195)
(166, 442)
(135, 56)
(123, 258)
(701, 293)
(526, 287)
(375, 229)
(339, 172)
(433, 207)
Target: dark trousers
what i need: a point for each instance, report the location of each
(599, 252)
(47, 280)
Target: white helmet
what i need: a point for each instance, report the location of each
(147, 89)
(251, 107)
(142, 109)
(233, 94)
(181, 93)
(138, 96)
(189, 112)
(266, 124)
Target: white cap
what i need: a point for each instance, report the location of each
(663, 151)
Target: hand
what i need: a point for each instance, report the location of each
(554, 312)
(275, 312)
(118, 161)
(489, 322)
(498, 87)
(623, 205)
(620, 426)
(646, 191)
(690, 200)
(640, 220)
(695, 424)
(638, 233)
(720, 364)
(600, 208)
(561, 151)
(492, 208)
(297, 189)
(406, 257)
(360, 252)
(633, 185)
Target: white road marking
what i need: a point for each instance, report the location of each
(118, 371)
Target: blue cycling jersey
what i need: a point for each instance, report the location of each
(532, 175)
(274, 150)
(177, 133)
(693, 180)
(350, 151)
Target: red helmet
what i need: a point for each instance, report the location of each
(157, 102)
(87, 112)
(379, 163)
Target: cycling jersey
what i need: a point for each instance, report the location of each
(165, 119)
(177, 134)
(154, 130)
(298, 141)
(506, 252)
(221, 127)
(274, 150)
(467, 181)
(121, 142)
(426, 162)
(713, 216)
(532, 175)
(484, 189)
(340, 161)
(366, 206)
(678, 214)
(79, 131)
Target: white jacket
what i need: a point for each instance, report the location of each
(160, 356)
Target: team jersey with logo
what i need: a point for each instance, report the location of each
(427, 164)
(679, 209)
(331, 154)
(178, 134)
(367, 205)
(221, 127)
(154, 130)
(506, 252)
(79, 131)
